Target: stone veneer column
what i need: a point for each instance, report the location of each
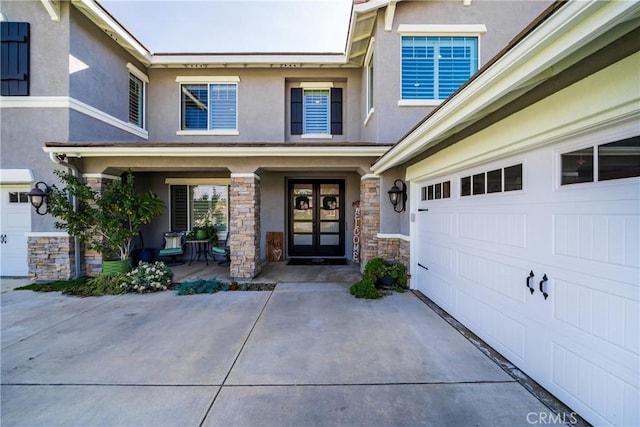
(244, 225)
(51, 256)
(91, 262)
(370, 217)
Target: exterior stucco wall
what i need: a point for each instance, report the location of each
(49, 46)
(102, 84)
(503, 19)
(263, 98)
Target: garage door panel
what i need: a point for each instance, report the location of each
(503, 332)
(591, 389)
(494, 228)
(494, 273)
(601, 316)
(437, 288)
(612, 238)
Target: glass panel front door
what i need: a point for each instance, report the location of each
(316, 218)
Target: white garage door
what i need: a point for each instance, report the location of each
(540, 258)
(15, 221)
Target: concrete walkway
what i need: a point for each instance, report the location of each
(306, 354)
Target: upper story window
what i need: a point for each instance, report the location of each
(137, 96)
(15, 58)
(615, 160)
(316, 110)
(209, 105)
(370, 71)
(436, 61)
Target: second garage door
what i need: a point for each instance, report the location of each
(543, 265)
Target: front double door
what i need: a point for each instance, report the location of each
(316, 217)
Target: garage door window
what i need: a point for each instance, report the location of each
(494, 181)
(441, 190)
(18, 197)
(615, 160)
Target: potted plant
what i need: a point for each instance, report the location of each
(386, 274)
(105, 221)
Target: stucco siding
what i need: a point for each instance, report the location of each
(263, 103)
(49, 46)
(503, 20)
(100, 79)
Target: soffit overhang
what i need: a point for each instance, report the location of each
(177, 150)
(363, 18)
(565, 34)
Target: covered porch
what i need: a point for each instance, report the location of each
(262, 184)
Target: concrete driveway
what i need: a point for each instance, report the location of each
(306, 354)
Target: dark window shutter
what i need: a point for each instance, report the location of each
(179, 214)
(296, 111)
(14, 58)
(336, 111)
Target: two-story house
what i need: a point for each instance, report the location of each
(512, 126)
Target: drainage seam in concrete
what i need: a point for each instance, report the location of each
(529, 384)
(213, 401)
(255, 385)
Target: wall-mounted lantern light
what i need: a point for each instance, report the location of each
(398, 195)
(38, 197)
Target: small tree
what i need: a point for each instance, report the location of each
(105, 221)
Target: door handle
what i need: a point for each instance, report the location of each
(420, 265)
(529, 277)
(544, 279)
(3, 238)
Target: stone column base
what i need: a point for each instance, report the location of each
(51, 256)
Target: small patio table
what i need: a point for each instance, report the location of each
(198, 248)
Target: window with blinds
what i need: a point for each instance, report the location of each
(136, 101)
(209, 106)
(316, 111)
(199, 205)
(435, 67)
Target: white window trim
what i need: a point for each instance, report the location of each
(136, 72)
(316, 136)
(367, 61)
(225, 132)
(145, 80)
(419, 102)
(442, 30)
(473, 30)
(207, 80)
(197, 181)
(316, 85)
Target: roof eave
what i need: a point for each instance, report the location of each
(539, 55)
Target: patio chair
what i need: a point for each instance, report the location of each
(222, 251)
(174, 246)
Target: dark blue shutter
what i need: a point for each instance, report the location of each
(296, 111)
(336, 111)
(14, 57)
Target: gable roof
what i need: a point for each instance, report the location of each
(559, 39)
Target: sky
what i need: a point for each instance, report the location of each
(245, 26)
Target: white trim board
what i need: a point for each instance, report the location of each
(72, 104)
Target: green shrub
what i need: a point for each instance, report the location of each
(104, 284)
(201, 286)
(148, 277)
(365, 288)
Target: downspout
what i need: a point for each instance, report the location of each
(57, 159)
